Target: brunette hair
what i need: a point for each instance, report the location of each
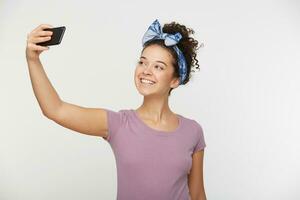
(187, 45)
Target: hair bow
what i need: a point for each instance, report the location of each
(155, 32)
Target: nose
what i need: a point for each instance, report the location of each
(147, 70)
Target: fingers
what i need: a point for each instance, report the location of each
(35, 47)
(43, 33)
(36, 36)
(39, 35)
(41, 27)
(38, 39)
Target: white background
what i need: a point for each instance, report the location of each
(246, 95)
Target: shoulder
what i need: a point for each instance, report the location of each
(193, 126)
(118, 111)
(117, 117)
(197, 134)
(191, 122)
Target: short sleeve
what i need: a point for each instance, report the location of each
(115, 120)
(200, 145)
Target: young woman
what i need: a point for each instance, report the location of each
(159, 154)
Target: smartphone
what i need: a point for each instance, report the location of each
(56, 37)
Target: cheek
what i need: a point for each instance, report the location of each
(138, 70)
(136, 74)
(164, 77)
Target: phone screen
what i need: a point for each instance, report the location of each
(56, 37)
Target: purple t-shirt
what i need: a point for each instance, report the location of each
(152, 164)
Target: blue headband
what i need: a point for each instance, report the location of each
(155, 32)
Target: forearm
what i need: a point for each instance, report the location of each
(44, 92)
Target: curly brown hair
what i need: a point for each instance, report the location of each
(187, 45)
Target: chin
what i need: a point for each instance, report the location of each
(143, 90)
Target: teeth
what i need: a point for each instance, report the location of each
(146, 81)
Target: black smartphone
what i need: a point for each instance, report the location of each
(56, 37)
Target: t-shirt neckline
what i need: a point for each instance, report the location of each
(155, 131)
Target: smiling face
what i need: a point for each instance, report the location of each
(156, 66)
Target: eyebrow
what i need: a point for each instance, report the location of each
(156, 61)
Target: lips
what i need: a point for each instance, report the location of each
(147, 81)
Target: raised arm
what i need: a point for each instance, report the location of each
(90, 121)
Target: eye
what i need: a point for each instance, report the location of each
(160, 68)
(140, 62)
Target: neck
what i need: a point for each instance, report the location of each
(155, 108)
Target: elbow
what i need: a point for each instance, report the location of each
(50, 115)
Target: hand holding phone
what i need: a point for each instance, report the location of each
(56, 37)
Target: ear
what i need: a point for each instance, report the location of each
(175, 82)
